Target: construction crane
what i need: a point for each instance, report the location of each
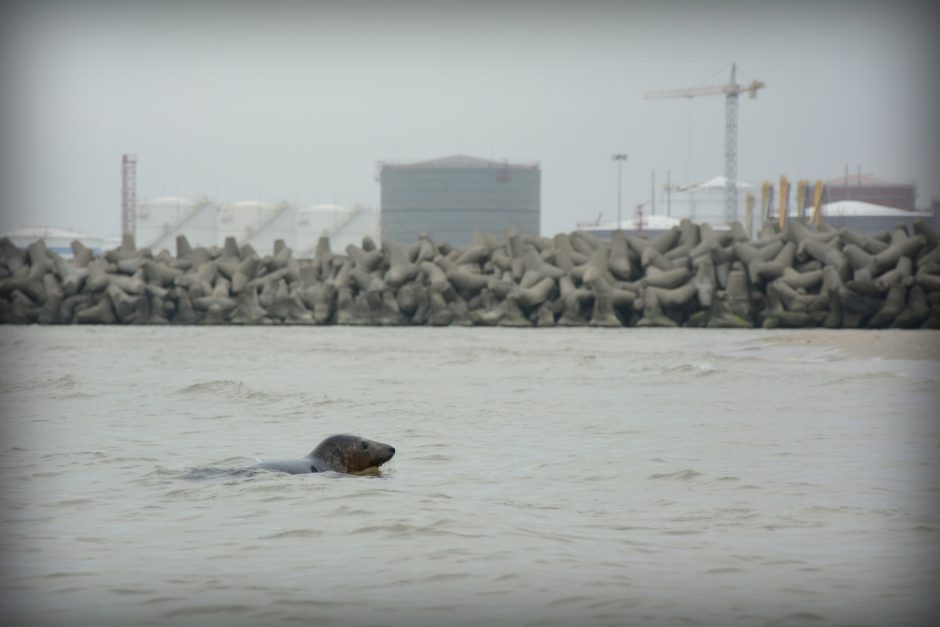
(731, 91)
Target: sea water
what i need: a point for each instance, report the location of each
(543, 477)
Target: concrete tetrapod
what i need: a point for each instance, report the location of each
(688, 275)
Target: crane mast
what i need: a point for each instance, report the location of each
(730, 91)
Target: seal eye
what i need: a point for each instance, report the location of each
(365, 446)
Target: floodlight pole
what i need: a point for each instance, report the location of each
(128, 195)
(619, 158)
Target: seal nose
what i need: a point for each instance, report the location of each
(391, 450)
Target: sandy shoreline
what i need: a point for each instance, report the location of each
(884, 344)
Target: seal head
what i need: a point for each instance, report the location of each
(338, 453)
(349, 454)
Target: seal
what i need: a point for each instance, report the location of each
(338, 453)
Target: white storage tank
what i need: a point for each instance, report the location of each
(864, 217)
(705, 201)
(57, 240)
(343, 225)
(160, 220)
(649, 226)
(257, 223)
(453, 197)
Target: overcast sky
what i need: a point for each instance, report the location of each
(298, 101)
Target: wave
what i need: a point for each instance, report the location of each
(294, 533)
(434, 458)
(209, 610)
(879, 377)
(699, 369)
(237, 390)
(208, 473)
(680, 475)
(725, 570)
(693, 369)
(213, 388)
(49, 386)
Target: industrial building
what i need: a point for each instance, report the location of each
(869, 189)
(452, 197)
(702, 202)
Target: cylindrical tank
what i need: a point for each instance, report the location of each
(650, 226)
(864, 217)
(450, 198)
(160, 220)
(704, 202)
(257, 223)
(343, 225)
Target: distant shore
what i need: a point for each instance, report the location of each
(922, 344)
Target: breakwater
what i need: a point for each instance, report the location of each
(691, 275)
